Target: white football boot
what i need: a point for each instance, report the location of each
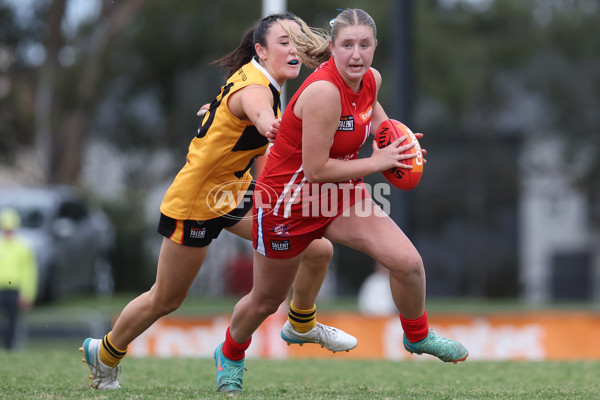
(103, 377)
(331, 338)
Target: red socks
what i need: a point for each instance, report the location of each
(415, 329)
(233, 350)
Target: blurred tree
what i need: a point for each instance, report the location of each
(489, 74)
(16, 89)
(513, 66)
(66, 95)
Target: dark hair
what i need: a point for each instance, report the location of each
(242, 54)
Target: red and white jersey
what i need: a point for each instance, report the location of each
(282, 187)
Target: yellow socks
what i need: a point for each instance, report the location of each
(109, 354)
(302, 320)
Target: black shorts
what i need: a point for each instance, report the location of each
(200, 233)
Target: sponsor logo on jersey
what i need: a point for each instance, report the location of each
(280, 245)
(367, 114)
(346, 123)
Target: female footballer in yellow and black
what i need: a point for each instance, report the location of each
(213, 191)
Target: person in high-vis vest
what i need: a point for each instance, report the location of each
(18, 275)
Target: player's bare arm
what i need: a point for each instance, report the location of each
(254, 103)
(319, 107)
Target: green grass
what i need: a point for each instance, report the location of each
(51, 369)
(42, 373)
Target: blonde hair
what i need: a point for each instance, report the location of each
(313, 44)
(352, 17)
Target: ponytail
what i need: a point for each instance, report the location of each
(242, 54)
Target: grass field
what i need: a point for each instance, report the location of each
(48, 373)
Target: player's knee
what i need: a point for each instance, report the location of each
(414, 265)
(319, 252)
(166, 305)
(171, 306)
(269, 306)
(409, 266)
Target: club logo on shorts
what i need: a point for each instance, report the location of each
(280, 245)
(281, 229)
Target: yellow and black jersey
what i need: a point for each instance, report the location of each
(217, 169)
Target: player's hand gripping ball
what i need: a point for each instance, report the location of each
(402, 178)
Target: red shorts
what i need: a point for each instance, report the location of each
(275, 236)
